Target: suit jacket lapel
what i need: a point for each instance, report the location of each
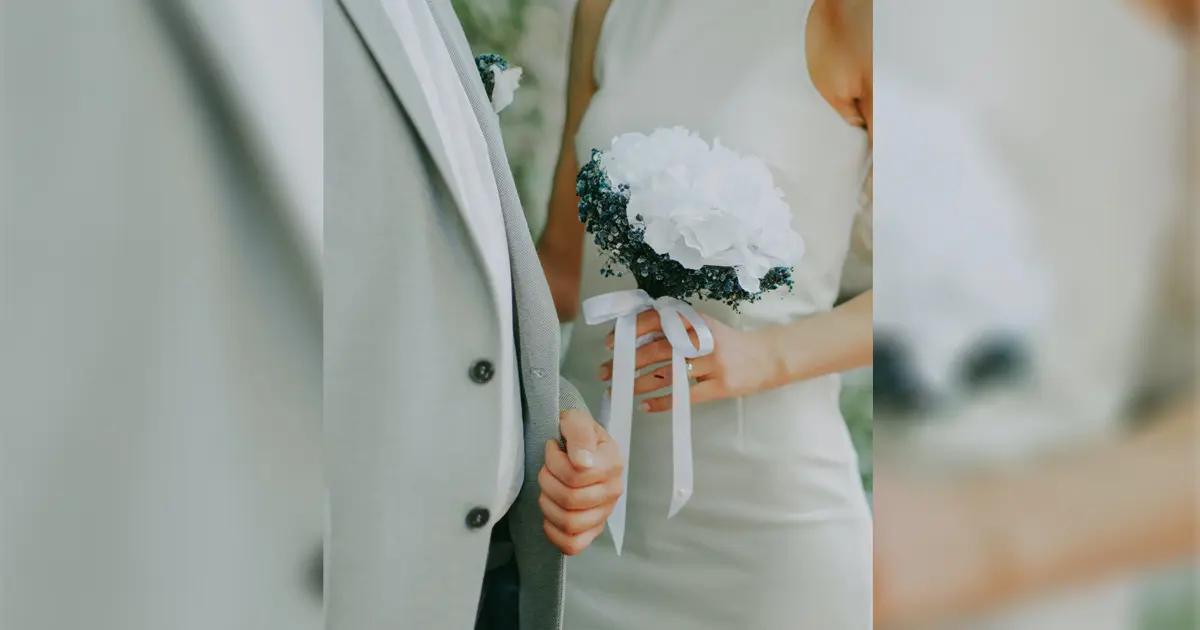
(375, 27)
(271, 64)
(374, 24)
(489, 122)
(460, 49)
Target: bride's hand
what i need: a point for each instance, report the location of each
(741, 363)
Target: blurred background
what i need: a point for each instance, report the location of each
(1037, 307)
(535, 35)
(1035, 373)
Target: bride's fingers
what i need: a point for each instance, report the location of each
(586, 498)
(568, 544)
(704, 391)
(662, 376)
(648, 322)
(649, 354)
(607, 465)
(572, 522)
(653, 380)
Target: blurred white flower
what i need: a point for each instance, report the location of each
(704, 206)
(506, 82)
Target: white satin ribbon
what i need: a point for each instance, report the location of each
(617, 414)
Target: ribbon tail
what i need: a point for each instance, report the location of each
(681, 434)
(620, 414)
(616, 520)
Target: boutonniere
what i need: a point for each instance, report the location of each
(500, 80)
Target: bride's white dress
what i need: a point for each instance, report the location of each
(778, 533)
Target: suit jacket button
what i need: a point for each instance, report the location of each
(315, 574)
(478, 517)
(482, 371)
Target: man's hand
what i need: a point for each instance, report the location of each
(579, 486)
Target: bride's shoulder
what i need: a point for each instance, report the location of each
(838, 54)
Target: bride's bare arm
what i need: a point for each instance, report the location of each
(973, 544)
(836, 341)
(560, 247)
(745, 362)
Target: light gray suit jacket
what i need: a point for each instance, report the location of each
(160, 316)
(412, 438)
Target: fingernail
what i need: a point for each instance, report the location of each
(584, 459)
(645, 406)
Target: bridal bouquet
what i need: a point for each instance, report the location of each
(688, 221)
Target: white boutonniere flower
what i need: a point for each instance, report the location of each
(499, 79)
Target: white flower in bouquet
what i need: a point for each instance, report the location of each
(704, 206)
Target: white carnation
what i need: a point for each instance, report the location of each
(504, 86)
(704, 206)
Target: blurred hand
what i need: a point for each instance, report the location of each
(931, 558)
(741, 363)
(1180, 14)
(581, 485)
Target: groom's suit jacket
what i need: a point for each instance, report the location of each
(160, 316)
(413, 445)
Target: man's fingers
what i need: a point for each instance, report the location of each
(607, 465)
(582, 435)
(586, 498)
(568, 544)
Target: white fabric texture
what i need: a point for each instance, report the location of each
(777, 534)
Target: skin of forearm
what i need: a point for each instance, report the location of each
(1127, 506)
(560, 248)
(562, 277)
(836, 341)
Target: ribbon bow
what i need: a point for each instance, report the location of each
(617, 414)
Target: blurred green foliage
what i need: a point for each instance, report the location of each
(858, 409)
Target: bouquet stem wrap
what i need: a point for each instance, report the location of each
(617, 414)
